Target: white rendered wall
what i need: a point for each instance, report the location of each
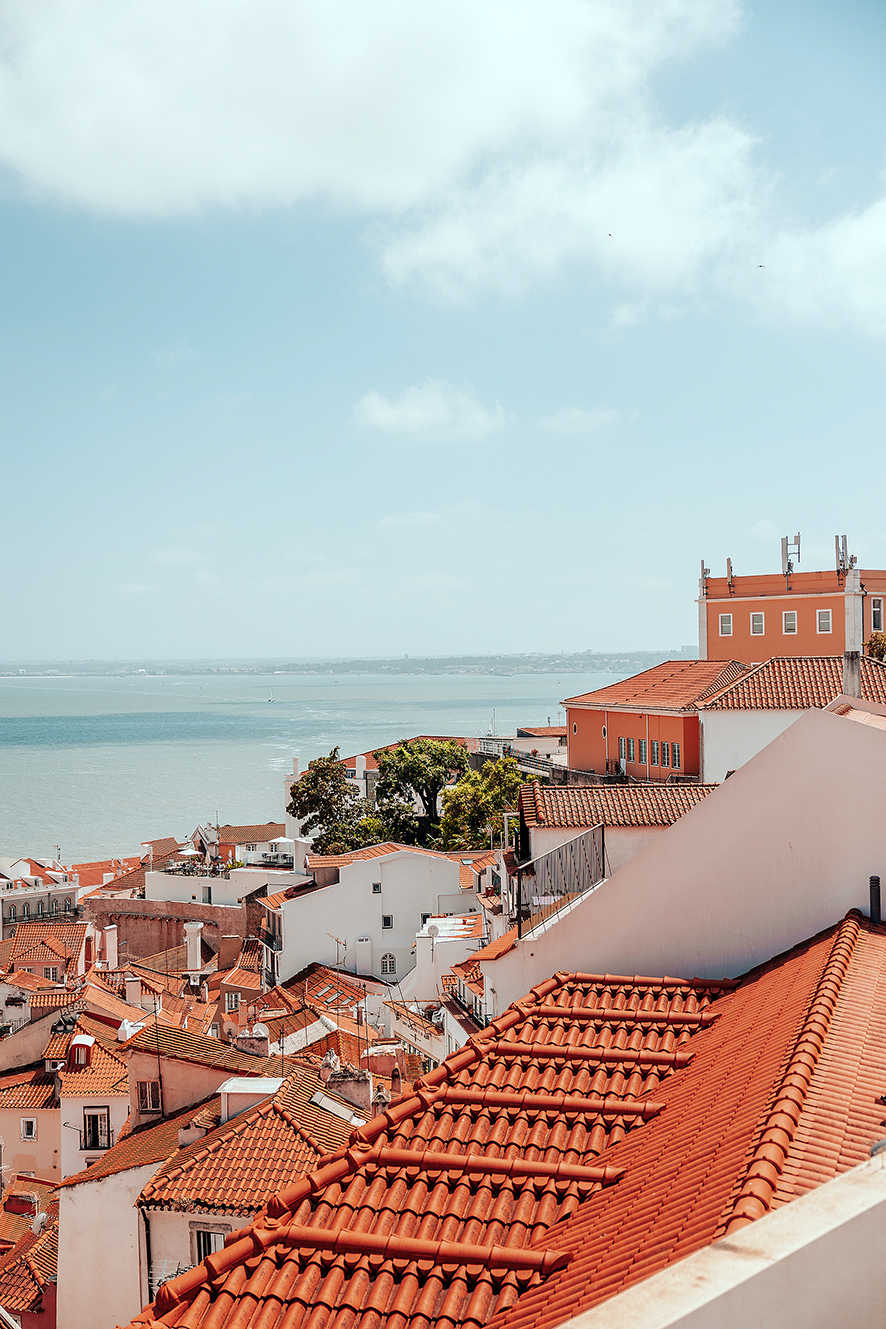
(412, 885)
(730, 738)
(73, 1158)
(781, 850)
(815, 1263)
(100, 1275)
(433, 959)
(171, 1237)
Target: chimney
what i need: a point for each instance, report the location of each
(353, 1086)
(111, 945)
(133, 987)
(228, 953)
(851, 674)
(188, 1134)
(192, 941)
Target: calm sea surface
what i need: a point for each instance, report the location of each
(96, 765)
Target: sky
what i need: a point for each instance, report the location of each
(361, 328)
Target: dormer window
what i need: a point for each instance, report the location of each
(80, 1052)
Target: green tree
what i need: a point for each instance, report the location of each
(422, 767)
(327, 805)
(473, 807)
(877, 646)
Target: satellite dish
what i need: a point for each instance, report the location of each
(433, 930)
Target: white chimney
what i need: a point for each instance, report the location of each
(193, 932)
(111, 945)
(133, 990)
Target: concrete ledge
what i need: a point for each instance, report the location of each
(816, 1263)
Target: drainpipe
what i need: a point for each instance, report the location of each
(875, 900)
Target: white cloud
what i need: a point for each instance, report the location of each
(573, 420)
(436, 411)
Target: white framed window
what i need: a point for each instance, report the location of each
(675, 756)
(213, 1031)
(622, 749)
(642, 751)
(758, 625)
(149, 1095)
(207, 1238)
(665, 754)
(789, 622)
(387, 920)
(50, 971)
(876, 614)
(376, 888)
(96, 1128)
(389, 964)
(232, 1001)
(823, 620)
(630, 749)
(654, 757)
(725, 625)
(29, 1128)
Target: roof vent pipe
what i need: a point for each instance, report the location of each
(851, 674)
(875, 900)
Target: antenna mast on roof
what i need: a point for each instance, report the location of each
(788, 548)
(845, 561)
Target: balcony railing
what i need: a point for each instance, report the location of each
(543, 886)
(270, 939)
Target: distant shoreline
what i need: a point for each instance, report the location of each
(585, 662)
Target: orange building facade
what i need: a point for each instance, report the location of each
(646, 726)
(802, 613)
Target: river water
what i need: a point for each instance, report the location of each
(97, 765)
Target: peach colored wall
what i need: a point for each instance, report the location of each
(40, 1156)
(588, 747)
(774, 641)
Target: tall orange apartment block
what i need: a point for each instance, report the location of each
(790, 612)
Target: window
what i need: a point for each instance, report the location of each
(51, 972)
(213, 1031)
(376, 888)
(149, 1095)
(232, 1001)
(725, 625)
(206, 1240)
(67, 904)
(29, 1128)
(96, 1128)
(789, 622)
(10, 913)
(654, 746)
(675, 756)
(387, 920)
(824, 619)
(26, 911)
(642, 751)
(758, 625)
(630, 749)
(575, 728)
(389, 964)
(54, 906)
(39, 908)
(81, 1055)
(622, 749)
(424, 918)
(665, 754)
(876, 614)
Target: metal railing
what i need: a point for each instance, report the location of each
(270, 939)
(544, 885)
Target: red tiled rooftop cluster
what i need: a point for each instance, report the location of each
(600, 1129)
(676, 685)
(798, 683)
(610, 805)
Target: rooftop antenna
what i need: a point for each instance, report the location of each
(845, 561)
(730, 579)
(789, 549)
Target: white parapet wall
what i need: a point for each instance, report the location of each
(815, 1263)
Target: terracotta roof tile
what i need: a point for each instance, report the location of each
(574, 806)
(31, 1264)
(24, 1198)
(233, 835)
(31, 1087)
(183, 1045)
(650, 1112)
(543, 731)
(796, 683)
(676, 685)
(62, 938)
(234, 1167)
(32, 982)
(152, 1142)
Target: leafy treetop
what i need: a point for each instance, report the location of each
(422, 766)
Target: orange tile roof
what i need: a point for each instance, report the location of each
(24, 1198)
(68, 938)
(234, 1168)
(183, 1045)
(614, 1125)
(51, 998)
(372, 764)
(30, 1266)
(542, 731)
(152, 1142)
(93, 874)
(33, 983)
(676, 685)
(796, 683)
(31, 1087)
(862, 717)
(315, 979)
(574, 806)
(233, 835)
(106, 1073)
(313, 861)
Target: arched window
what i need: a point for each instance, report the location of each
(389, 964)
(39, 908)
(54, 906)
(26, 911)
(67, 904)
(10, 913)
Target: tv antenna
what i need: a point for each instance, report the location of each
(790, 549)
(845, 561)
